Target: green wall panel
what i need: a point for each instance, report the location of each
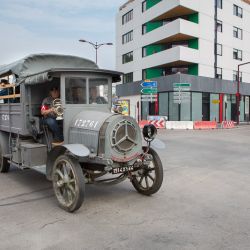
(193, 69)
(194, 18)
(153, 25)
(193, 43)
(153, 72)
(151, 3)
(155, 48)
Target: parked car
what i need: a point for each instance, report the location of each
(100, 147)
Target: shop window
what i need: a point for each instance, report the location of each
(196, 106)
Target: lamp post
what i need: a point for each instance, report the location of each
(95, 45)
(238, 92)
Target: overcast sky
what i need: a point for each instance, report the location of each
(55, 26)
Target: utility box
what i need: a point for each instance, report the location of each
(16, 149)
(33, 154)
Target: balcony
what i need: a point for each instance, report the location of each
(170, 9)
(178, 30)
(176, 56)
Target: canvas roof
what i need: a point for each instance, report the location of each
(34, 64)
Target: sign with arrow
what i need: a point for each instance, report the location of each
(149, 84)
(149, 91)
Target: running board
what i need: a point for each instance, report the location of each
(41, 169)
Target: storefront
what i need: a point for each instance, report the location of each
(208, 99)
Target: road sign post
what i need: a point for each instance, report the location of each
(149, 91)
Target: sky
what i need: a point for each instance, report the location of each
(55, 26)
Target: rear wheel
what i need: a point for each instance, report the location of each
(4, 164)
(149, 179)
(68, 183)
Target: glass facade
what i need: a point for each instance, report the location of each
(214, 107)
(198, 107)
(186, 108)
(163, 104)
(174, 110)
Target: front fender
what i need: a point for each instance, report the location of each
(78, 150)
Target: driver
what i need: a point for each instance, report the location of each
(94, 98)
(50, 116)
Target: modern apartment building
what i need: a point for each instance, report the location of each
(197, 42)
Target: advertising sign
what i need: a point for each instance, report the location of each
(123, 107)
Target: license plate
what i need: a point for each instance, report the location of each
(121, 170)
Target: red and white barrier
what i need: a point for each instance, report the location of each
(179, 125)
(205, 125)
(227, 124)
(142, 123)
(158, 124)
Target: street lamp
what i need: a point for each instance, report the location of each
(95, 45)
(238, 92)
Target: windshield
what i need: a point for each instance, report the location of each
(98, 91)
(86, 91)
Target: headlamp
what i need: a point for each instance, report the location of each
(149, 132)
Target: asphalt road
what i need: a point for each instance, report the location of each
(204, 203)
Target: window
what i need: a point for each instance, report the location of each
(98, 91)
(237, 54)
(127, 57)
(144, 29)
(219, 49)
(127, 37)
(238, 11)
(144, 6)
(218, 73)
(144, 51)
(75, 90)
(219, 26)
(237, 32)
(127, 17)
(128, 77)
(144, 74)
(219, 4)
(235, 76)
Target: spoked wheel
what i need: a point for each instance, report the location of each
(4, 165)
(68, 183)
(149, 179)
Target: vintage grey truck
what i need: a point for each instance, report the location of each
(97, 142)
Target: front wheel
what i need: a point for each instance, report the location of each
(68, 183)
(148, 180)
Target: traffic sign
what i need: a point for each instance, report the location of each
(149, 91)
(149, 84)
(177, 85)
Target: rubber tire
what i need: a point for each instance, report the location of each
(4, 164)
(158, 175)
(79, 180)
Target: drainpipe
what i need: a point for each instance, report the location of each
(215, 36)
